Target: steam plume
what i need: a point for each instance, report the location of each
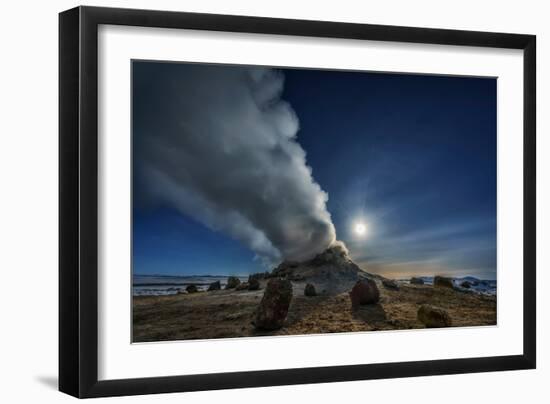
(218, 144)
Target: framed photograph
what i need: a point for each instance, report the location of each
(252, 202)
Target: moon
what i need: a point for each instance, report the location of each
(360, 229)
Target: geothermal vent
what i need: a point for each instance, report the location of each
(332, 270)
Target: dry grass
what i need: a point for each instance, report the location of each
(226, 314)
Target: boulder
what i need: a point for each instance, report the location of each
(310, 290)
(443, 282)
(257, 276)
(364, 292)
(390, 284)
(214, 286)
(191, 289)
(466, 285)
(273, 308)
(433, 317)
(232, 282)
(242, 286)
(417, 281)
(253, 284)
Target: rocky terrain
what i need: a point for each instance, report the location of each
(327, 294)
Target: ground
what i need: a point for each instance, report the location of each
(229, 313)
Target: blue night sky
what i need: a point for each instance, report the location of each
(411, 156)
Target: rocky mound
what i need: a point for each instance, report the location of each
(331, 271)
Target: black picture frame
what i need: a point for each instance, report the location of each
(78, 201)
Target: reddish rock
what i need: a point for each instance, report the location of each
(191, 289)
(417, 281)
(390, 284)
(364, 292)
(253, 284)
(443, 282)
(433, 317)
(215, 286)
(232, 282)
(310, 290)
(274, 306)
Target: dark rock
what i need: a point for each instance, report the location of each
(257, 276)
(390, 284)
(253, 284)
(466, 285)
(310, 290)
(242, 286)
(214, 286)
(232, 282)
(443, 282)
(364, 292)
(273, 308)
(433, 317)
(191, 289)
(417, 281)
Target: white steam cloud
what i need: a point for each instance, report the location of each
(218, 144)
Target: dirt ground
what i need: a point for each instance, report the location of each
(229, 313)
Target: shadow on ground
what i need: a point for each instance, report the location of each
(370, 313)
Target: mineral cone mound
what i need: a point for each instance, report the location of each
(331, 271)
